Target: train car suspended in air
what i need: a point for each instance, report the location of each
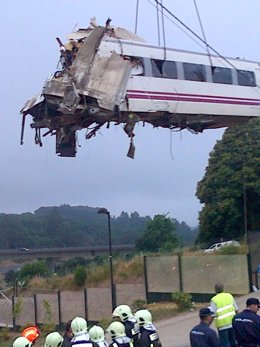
(109, 75)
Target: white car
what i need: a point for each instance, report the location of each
(219, 245)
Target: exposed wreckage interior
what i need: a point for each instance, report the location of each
(90, 90)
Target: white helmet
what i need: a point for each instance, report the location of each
(143, 317)
(79, 325)
(21, 342)
(53, 340)
(116, 329)
(122, 311)
(96, 334)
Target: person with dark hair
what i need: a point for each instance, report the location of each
(224, 307)
(67, 335)
(246, 325)
(202, 335)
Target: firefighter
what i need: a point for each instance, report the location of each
(31, 333)
(53, 339)
(96, 334)
(118, 336)
(224, 306)
(125, 315)
(246, 324)
(22, 341)
(80, 333)
(148, 336)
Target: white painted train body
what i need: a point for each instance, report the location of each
(107, 78)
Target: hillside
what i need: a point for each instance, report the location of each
(67, 226)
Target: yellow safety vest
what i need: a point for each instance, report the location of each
(225, 309)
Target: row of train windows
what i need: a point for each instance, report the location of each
(197, 72)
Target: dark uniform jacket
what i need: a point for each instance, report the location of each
(149, 338)
(203, 336)
(132, 331)
(246, 326)
(124, 341)
(66, 341)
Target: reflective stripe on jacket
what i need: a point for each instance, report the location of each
(225, 309)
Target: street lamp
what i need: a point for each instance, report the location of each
(113, 296)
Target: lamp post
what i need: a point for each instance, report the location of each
(113, 296)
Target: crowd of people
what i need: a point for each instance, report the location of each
(137, 330)
(126, 330)
(234, 329)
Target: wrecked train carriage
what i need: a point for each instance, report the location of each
(110, 75)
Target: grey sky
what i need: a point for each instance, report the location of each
(163, 176)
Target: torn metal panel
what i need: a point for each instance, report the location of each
(108, 81)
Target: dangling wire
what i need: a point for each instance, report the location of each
(158, 24)
(203, 32)
(136, 15)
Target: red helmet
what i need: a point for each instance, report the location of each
(31, 333)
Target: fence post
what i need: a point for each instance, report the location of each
(86, 303)
(146, 279)
(59, 307)
(14, 320)
(35, 309)
(180, 272)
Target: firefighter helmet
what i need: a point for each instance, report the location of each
(96, 334)
(53, 340)
(122, 311)
(79, 325)
(31, 333)
(116, 329)
(21, 341)
(143, 317)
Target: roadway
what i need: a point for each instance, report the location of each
(65, 252)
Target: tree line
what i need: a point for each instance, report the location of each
(75, 226)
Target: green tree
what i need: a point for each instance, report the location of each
(159, 234)
(38, 268)
(231, 183)
(80, 275)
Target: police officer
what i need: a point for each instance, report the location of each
(118, 336)
(224, 306)
(202, 335)
(148, 336)
(246, 325)
(125, 315)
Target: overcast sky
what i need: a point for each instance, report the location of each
(167, 166)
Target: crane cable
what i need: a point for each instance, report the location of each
(136, 15)
(193, 32)
(163, 30)
(203, 32)
(158, 24)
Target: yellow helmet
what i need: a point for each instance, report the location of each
(21, 341)
(116, 329)
(122, 311)
(53, 340)
(96, 334)
(79, 325)
(143, 317)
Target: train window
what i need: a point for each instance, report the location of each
(164, 68)
(221, 75)
(194, 72)
(246, 78)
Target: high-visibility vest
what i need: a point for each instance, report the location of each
(225, 309)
